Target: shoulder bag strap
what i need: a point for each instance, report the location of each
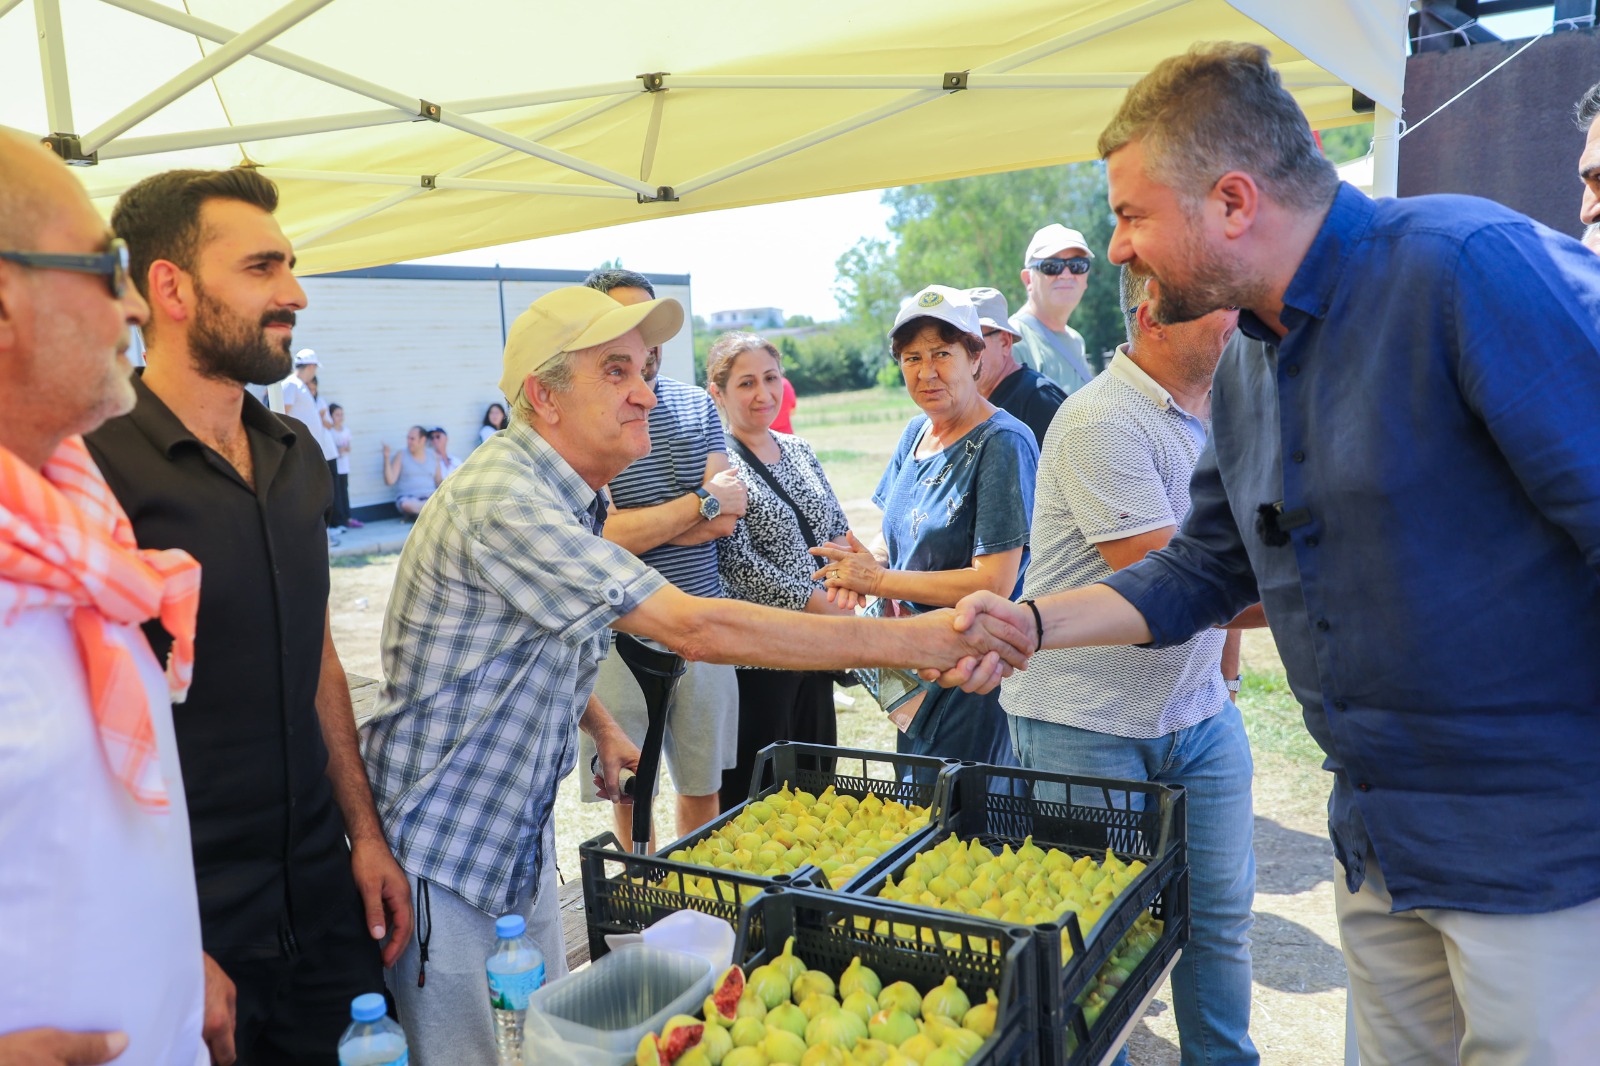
(766, 475)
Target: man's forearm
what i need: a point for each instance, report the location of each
(346, 772)
(596, 719)
(732, 631)
(639, 529)
(1091, 616)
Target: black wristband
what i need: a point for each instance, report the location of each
(1038, 624)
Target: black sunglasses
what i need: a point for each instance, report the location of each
(1053, 267)
(111, 264)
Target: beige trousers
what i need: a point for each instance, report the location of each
(1433, 986)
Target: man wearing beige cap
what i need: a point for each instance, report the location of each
(498, 621)
(1028, 395)
(1055, 271)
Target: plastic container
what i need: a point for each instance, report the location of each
(906, 944)
(612, 1004)
(373, 1038)
(623, 893)
(1134, 819)
(515, 971)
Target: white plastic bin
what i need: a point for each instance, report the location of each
(597, 1016)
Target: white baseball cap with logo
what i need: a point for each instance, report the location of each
(575, 318)
(306, 357)
(1052, 240)
(992, 309)
(945, 304)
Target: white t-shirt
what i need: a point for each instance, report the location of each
(341, 440)
(299, 403)
(99, 924)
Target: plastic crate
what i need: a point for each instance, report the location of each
(905, 944)
(612, 1004)
(1138, 820)
(615, 904)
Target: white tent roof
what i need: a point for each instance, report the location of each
(398, 129)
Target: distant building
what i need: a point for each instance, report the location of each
(753, 318)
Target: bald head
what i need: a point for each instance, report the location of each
(30, 176)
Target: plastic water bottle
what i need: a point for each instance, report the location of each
(516, 970)
(373, 1038)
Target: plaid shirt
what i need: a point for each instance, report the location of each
(495, 629)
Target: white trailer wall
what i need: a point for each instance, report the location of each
(411, 345)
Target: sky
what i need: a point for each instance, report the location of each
(773, 255)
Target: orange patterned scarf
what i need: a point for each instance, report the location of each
(66, 542)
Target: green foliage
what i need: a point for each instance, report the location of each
(1345, 143)
(829, 360)
(973, 231)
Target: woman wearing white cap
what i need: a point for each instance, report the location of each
(957, 501)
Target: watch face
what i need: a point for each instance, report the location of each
(710, 507)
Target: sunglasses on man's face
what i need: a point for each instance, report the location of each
(1053, 267)
(111, 264)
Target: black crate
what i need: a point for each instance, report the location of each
(614, 904)
(905, 944)
(1138, 820)
(1081, 1045)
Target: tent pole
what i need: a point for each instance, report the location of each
(7, 5)
(53, 64)
(1385, 152)
(129, 147)
(1088, 33)
(495, 135)
(236, 49)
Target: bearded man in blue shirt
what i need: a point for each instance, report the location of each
(1404, 468)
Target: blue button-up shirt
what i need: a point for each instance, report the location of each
(1433, 409)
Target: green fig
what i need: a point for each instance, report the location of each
(822, 1055)
(648, 1052)
(892, 1026)
(747, 1032)
(787, 964)
(695, 1056)
(919, 1047)
(860, 1003)
(839, 1028)
(871, 1053)
(964, 1041)
(857, 976)
(817, 1003)
(788, 1017)
(980, 1019)
(783, 1046)
(809, 982)
(752, 1006)
(944, 1056)
(745, 1056)
(902, 995)
(716, 1043)
(769, 985)
(946, 1001)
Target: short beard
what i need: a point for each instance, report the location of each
(227, 348)
(1214, 283)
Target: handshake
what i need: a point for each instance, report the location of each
(979, 642)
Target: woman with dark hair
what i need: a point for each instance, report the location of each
(494, 420)
(790, 509)
(957, 501)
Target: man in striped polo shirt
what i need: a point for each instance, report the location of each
(669, 508)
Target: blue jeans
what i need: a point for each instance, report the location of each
(1211, 985)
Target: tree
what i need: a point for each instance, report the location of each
(1344, 143)
(974, 231)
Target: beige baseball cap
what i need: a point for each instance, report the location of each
(1053, 240)
(575, 318)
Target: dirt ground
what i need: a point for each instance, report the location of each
(1299, 998)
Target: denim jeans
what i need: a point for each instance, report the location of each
(1211, 985)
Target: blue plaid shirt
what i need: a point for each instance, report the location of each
(497, 624)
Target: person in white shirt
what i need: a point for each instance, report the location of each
(440, 440)
(100, 955)
(300, 402)
(341, 469)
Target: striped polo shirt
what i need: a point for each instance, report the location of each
(684, 431)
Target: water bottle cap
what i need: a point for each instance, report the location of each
(368, 1007)
(509, 925)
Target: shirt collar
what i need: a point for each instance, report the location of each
(1310, 291)
(1130, 373)
(571, 491)
(164, 429)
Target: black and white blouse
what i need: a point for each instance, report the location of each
(765, 559)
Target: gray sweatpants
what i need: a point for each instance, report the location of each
(447, 1022)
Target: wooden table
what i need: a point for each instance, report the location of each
(574, 928)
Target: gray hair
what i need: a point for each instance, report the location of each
(1221, 107)
(1587, 109)
(556, 375)
(608, 278)
(1134, 293)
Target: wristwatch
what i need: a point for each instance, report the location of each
(710, 506)
(1232, 683)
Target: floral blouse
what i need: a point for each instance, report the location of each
(765, 559)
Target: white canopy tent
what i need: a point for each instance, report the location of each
(398, 130)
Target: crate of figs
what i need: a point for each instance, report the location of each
(839, 815)
(816, 984)
(1096, 868)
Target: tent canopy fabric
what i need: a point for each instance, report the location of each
(398, 130)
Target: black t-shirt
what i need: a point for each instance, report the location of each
(1031, 398)
(269, 851)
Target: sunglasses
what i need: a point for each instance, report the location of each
(1053, 267)
(111, 264)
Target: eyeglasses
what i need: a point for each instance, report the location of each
(1053, 267)
(111, 264)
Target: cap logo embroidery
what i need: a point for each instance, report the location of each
(929, 299)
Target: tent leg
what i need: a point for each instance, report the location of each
(1385, 152)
